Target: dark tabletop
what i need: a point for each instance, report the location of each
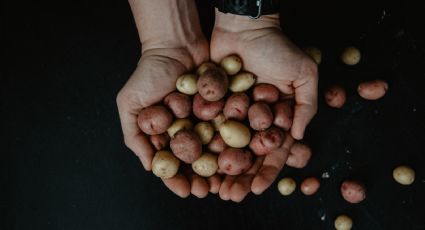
(66, 166)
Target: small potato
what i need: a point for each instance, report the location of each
(241, 82)
(404, 175)
(217, 121)
(234, 161)
(160, 141)
(310, 186)
(180, 104)
(266, 93)
(212, 84)
(286, 186)
(204, 66)
(179, 124)
(236, 106)
(165, 164)
(206, 165)
(186, 84)
(154, 119)
(343, 222)
(283, 115)
(299, 156)
(231, 64)
(335, 96)
(260, 116)
(206, 110)
(216, 144)
(372, 90)
(235, 134)
(186, 146)
(353, 191)
(263, 142)
(351, 55)
(314, 53)
(205, 131)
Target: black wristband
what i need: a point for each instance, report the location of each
(252, 8)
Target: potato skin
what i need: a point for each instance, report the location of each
(217, 144)
(186, 84)
(265, 92)
(351, 55)
(231, 64)
(335, 96)
(212, 84)
(205, 131)
(404, 175)
(310, 185)
(343, 222)
(165, 164)
(235, 134)
(206, 110)
(206, 165)
(204, 66)
(233, 161)
(179, 104)
(160, 141)
(236, 106)
(241, 82)
(314, 53)
(283, 115)
(186, 146)
(154, 119)
(286, 186)
(218, 121)
(263, 142)
(179, 124)
(372, 90)
(299, 156)
(260, 116)
(353, 191)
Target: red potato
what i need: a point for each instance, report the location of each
(266, 93)
(283, 115)
(372, 90)
(353, 191)
(186, 146)
(212, 84)
(217, 144)
(236, 106)
(260, 116)
(179, 104)
(299, 156)
(265, 141)
(310, 186)
(233, 161)
(154, 119)
(206, 110)
(335, 96)
(160, 141)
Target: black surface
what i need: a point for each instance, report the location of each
(66, 166)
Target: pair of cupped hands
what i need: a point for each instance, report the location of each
(265, 52)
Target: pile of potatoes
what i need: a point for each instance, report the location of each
(217, 121)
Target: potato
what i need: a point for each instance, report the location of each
(235, 134)
(231, 64)
(335, 96)
(233, 161)
(160, 141)
(241, 82)
(236, 106)
(286, 186)
(179, 104)
(165, 164)
(205, 131)
(283, 115)
(204, 66)
(351, 55)
(186, 146)
(206, 110)
(154, 119)
(186, 84)
(266, 93)
(343, 222)
(310, 185)
(263, 142)
(372, 90)
(216, 144)
(299, 156)
(206, 165)
(404, 175)
(212, 84)
(217, 121)
(178, 125)
(260, 116)
(314, 53)
(353, 191)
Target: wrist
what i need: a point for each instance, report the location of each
(237, 23)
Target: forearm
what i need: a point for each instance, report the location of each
(237, 23)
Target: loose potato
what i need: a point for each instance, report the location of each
(186, 84)
(286, 186)
(404, 175)
(179, 104)
(260, 116)
(160, 141)
(165, 164)
(236, 106)
(178, 125)
(204, 66)
(343, 222)
(235, 134)
(314, 53)
(372, 90)
(206, 165)
(217, 121)
(154, 119)
(231, 64)
(234, 161)
(283, 114)
(266, 93)
(205, 132)
(263, 142)
(241, 82)
(353, 191)
(217, 144)
(310, 186)
(206, 110)
(335, 96)
(186, 145)
(351, 55)
(299, 156)
(212, 84)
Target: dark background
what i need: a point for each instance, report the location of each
(66, 166)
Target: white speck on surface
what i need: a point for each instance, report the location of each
(414, 109)
(325, 175)
(347, 151)
(323, 217)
